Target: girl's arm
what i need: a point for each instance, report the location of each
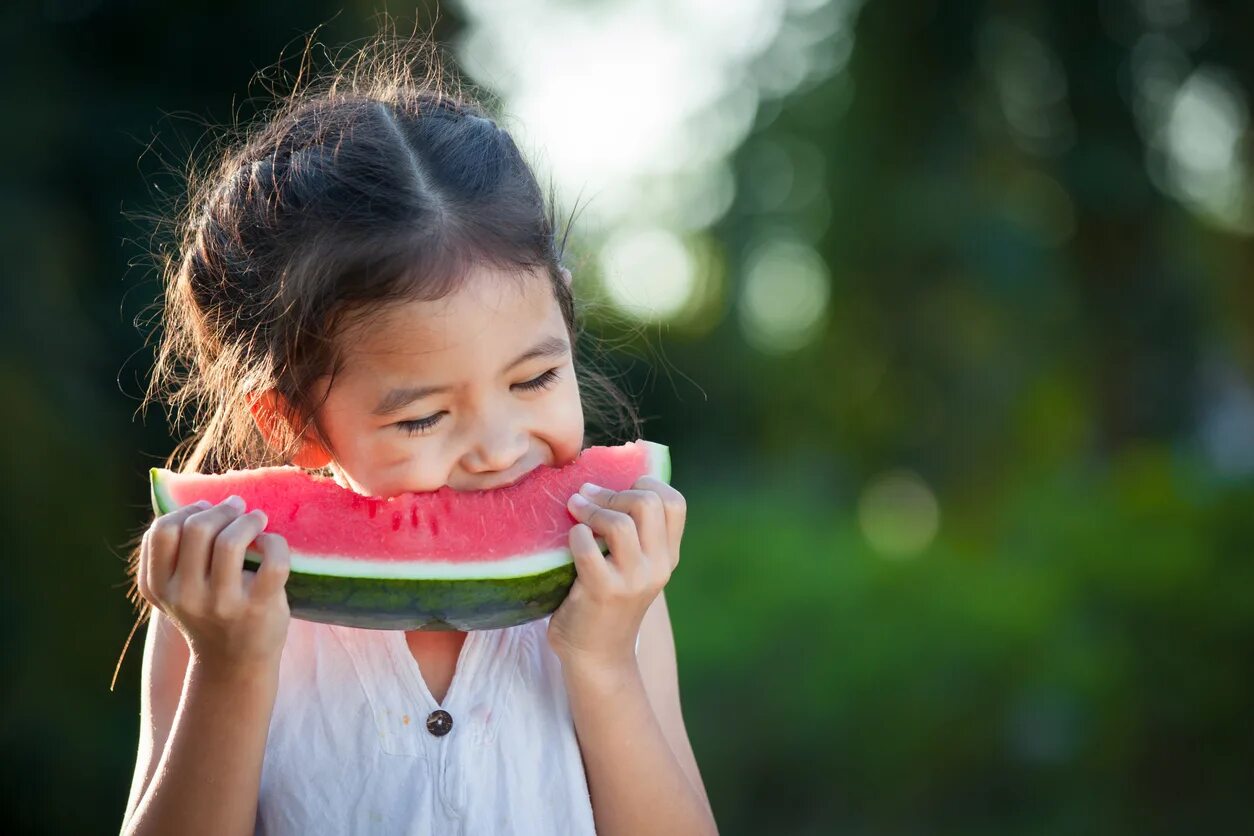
(160, 692)
(202, 739)
(642, 774)
(211, 664)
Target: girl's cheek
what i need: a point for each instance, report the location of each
(424, 469)
(391, 464)
(564, 425)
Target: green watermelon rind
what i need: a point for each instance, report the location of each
(384, 603)
(391, 604)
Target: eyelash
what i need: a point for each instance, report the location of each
(544, 381)
(421, 425)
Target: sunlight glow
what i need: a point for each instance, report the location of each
(633, 108)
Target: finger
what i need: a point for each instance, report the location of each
(199, 532)
(276, 566)
(644, 507)
(226, 569)
(676, 509)
(141, 569)
(162, 541)
(590, 564)
(618, 530)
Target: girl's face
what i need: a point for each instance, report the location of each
(471, 391)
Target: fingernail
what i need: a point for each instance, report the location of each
(577, 501)
(235, 502)
(589, 489)
(202, 503)
(260, 515)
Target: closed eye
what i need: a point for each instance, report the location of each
(420, 425)
(544, 381)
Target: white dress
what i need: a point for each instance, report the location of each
(350, 750)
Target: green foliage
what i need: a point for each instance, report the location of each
(1088, 665)
(1033, 327)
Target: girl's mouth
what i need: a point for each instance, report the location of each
(506, 481)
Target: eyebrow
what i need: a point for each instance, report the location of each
(401, 397)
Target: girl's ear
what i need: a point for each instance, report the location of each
(566, 275)
(269, 410)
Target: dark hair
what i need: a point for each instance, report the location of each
(360, 188)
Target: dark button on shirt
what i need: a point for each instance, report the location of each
(440, 722)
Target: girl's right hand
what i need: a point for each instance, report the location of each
(191, 567)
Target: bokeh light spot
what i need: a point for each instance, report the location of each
(1202, 138)
(898, 514)
(783, 304)
(647, 273)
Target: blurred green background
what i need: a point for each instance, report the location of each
(949, 324)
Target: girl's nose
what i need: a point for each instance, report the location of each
(496, 451)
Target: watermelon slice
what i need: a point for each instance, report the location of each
(439, 560)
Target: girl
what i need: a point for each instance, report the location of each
(370, 285)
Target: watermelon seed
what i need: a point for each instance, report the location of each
(413, 516)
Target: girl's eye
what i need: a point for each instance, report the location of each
(544, 381)
(420, 425)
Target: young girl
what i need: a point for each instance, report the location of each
(369, 284)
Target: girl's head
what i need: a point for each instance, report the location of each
(471, 390)
(371, 281)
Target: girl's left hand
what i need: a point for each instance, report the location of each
(598, 622)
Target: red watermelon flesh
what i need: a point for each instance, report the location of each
(433, 560)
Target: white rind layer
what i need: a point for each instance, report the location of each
(357, 567)
(659, 461)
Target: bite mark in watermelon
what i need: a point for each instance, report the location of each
(439, 560)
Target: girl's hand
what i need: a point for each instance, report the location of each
(191, 567)
(598, 622)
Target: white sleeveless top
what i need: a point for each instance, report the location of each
(349, 750)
